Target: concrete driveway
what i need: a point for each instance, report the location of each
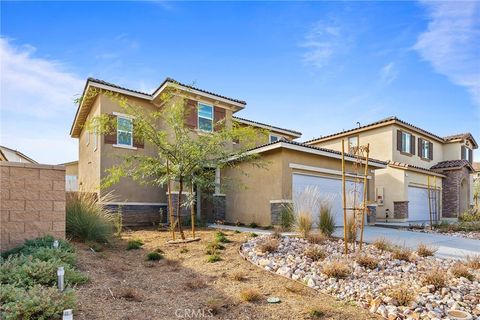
(448, 246)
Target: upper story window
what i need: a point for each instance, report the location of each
(124, 131)
(205, 117)
(274, 138)
(467, 154)
(352, 143)
(425, 149)
(406, 142)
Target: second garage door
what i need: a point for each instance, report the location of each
(418, 204)
(327, 188)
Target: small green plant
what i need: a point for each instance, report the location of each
(304, 224)
(316, 313)
(287, 217)
(237, 231)
(213, 258)
(118, 222)
(315, 253)
(183, 250)
(213, 247)
(253, 225)
(250, 295)
(220, 237)
(37, 302)
(426, 251)
(326, 221)
(87, 219)
(252, 235)
(33, 245)
(154, 256)
(95, 246)
(134, 244)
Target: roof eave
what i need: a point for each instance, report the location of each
(294, 134)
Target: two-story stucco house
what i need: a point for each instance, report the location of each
(417, 160)
(291, 165)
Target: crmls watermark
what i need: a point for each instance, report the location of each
(193, 313)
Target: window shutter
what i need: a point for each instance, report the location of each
(218, 115)
(412, 144)
(430, 151)
(111, 137)
(137, 141)
(399, 140)
(470, 155)
(464, 153)
(191, 113)
(420, 147)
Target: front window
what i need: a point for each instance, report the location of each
(274, 138)
(124, 131)
(406, 142)
(425, 149)
(352, 144)
(205, 117)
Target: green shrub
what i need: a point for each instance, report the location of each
(24, 271)
(213, 258)
(326, 221)
(33, 245)
(220, 237)
(87, 219)
(213, 247)
(253, 225)
(118, 222)
(287, 217)
(252, 235)
(95, 246)
(48, 254)
(134, 244)
(237, 231)
(38, 302)
(154, 256)
(470, 216)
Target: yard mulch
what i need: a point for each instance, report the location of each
(125, 286)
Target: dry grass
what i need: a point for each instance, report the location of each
(315, 253)
(402, 294)
(276, 233)
(436, 278)
(317, 238)
(473, 262)
(268, 245)
(316, 313)
(214, 305)
(402, 253)
(196, 283)
(337, 269)
(367, 261)
(426, 251)
(459, 270)
(382, 244)
(304, 224)
(294, 287)
(239, 275)
(250, 295)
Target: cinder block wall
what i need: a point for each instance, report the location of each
(32, 202)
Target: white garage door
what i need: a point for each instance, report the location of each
(418, 204)
(327, 189)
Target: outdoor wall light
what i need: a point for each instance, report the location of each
(55, 244)
(60, 276)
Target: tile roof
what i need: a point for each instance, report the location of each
(268, 125)
(115, 86)
(449, 164)
(314, 148)
(18, 153)
(382, 121)
(465, 135)
(409, 166)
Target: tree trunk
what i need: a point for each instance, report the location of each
(192, 213)
(170, 205)
(179, 208)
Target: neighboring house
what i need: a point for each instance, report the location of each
(71, 175)
(413, 155)
(11, 155)
(475, 179)
(292, 168)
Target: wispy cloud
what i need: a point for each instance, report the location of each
(451, 42)
(37, 106)
(322, 42)
(388, 73)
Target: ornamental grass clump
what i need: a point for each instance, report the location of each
(337, 269)
(287, 217)
(460, 271)
(382, 244)
(425, 251)
(134, 244)
(268, 245)
(315, 253)
(367, 261)
(304, 224)
(250, 295)
(402, 294)
(326, 220)
(402, 253)
(473, 262)
(154, 256)
(436, 277)
(87, 219)
(317, 238)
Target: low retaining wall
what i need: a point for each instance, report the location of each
(32, 202)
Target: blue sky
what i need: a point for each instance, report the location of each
(317, 67)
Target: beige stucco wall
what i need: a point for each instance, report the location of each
(71, 169)
(89, 159)
(250, 202)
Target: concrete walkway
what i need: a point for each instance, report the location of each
(448, 246)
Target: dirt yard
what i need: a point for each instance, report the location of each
(184, 286)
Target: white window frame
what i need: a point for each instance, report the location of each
(87, 137)
(270, 136)
(199, 104)
(118, 130)
(405, 145)
(425, 149)
(95, 139)
(350, 145)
